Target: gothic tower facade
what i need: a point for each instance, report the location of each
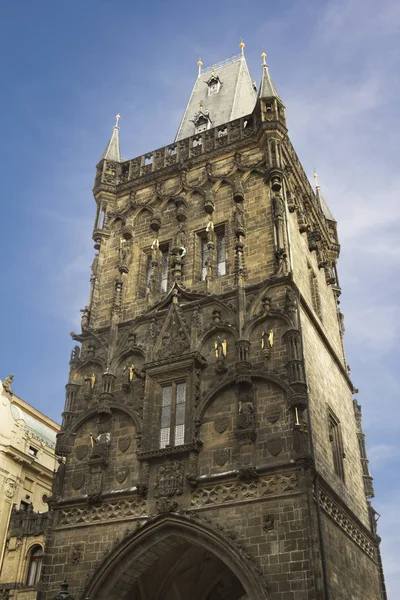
(211, 445)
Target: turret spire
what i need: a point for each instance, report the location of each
(112, 151)
(322, 202)
(267, 88)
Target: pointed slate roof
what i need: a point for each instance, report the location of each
(112, 151)
(267, 87)
(324, 205)
(236, 96)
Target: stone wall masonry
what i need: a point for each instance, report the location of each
(329, 389)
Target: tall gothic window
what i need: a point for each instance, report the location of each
(315, 293)
(221, 252)
(335, 438)
(205, 253)
(164, 268)
(35, 565)
(173, 400)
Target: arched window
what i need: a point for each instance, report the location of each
(35, 565)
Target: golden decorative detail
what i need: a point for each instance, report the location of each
(267, 339)
(131, 371)
(117, 117)
(220, 348)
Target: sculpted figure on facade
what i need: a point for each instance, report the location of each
(7, 384)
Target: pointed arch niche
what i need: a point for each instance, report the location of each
(175, 557)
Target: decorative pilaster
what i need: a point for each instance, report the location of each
(368, 486)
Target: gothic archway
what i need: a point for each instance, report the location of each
(174, 557)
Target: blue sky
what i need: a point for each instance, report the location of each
(68, 67)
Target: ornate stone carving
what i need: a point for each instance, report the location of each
(124, 443)
(7, 384)
(268, 523)
(274, 444)
(234, 492)
(58, 479)
(107, 511)
(77, 480)
(169, 480)
(221, 456)
(81, 451)
(165, 505)
(273, 417)
(10, 487)
(77, 553)
(245, 416)
(121, 473)
(221, 424)
(346, 523)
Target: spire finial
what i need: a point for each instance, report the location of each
(117, 117)
(201, 106)
(316, 179)
(199, 64)
(264, 58)
(242, 45)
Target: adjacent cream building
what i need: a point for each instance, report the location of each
(27, 464)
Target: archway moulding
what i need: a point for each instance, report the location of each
(134, 548)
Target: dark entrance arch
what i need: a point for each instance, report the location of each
(176, 558)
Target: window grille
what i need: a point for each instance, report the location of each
(173, 402)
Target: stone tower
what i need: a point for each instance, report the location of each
(213, 449)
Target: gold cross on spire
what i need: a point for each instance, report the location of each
(117, 117)
(264, 58)
(242, 45)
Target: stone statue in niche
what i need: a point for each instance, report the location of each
(220, 347)
(290, 302)
(101, 443)
(265, 305)
(130, 370)
(85, 318)
(281, 264)
(239, 221)
(94, 264)
(278, 207)
(125, 255)
(210, 232)
(58, 480)
(75, 354)
(90, 380)
(267, 341)
(245, 417)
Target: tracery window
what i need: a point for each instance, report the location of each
(164, 268)
(335, 438)
(173, 401)
(35, 565)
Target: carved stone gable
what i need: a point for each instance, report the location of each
(173, 339)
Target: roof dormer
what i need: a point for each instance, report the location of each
(201, 120)
(213, 83)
